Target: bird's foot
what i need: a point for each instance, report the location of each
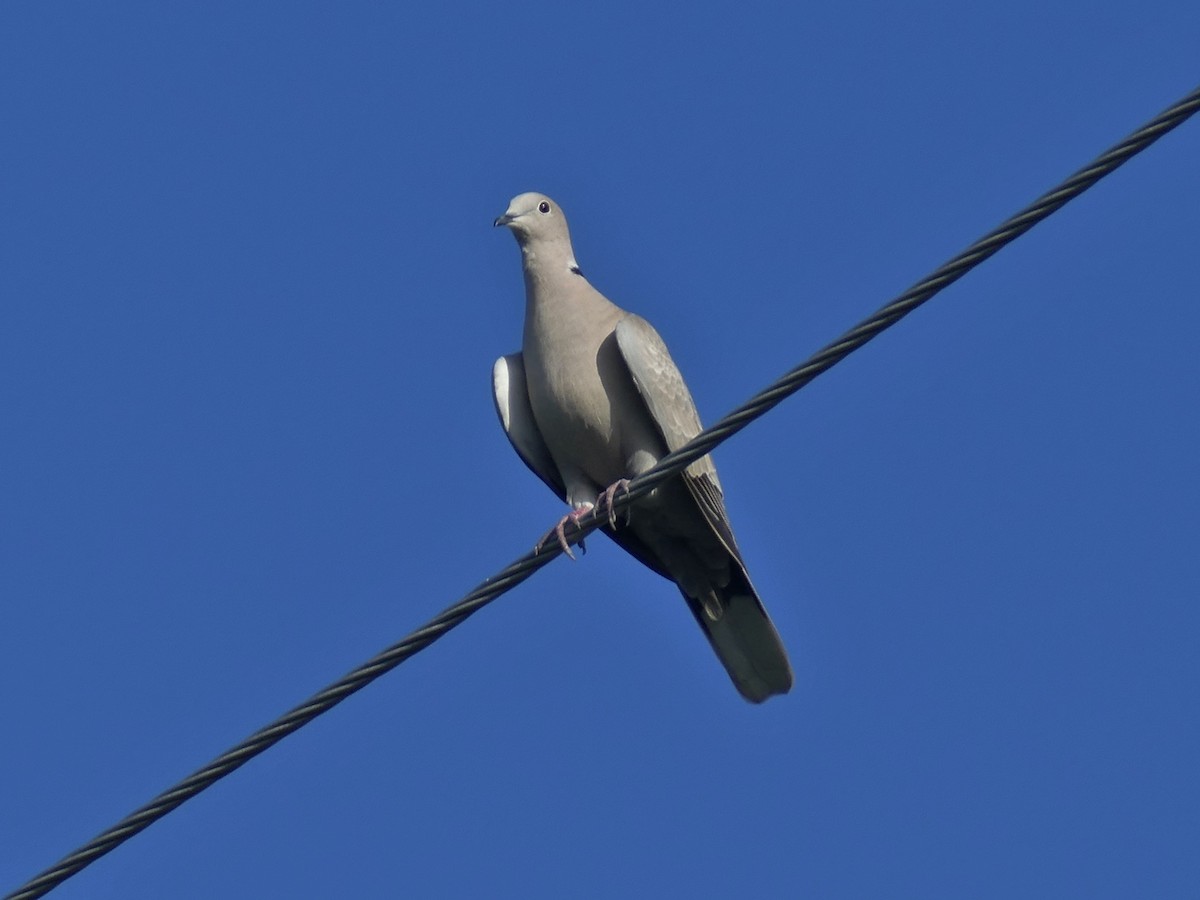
(559, 532)
(606, 498)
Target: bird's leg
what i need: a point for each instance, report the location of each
(608, 495)
(559, 532)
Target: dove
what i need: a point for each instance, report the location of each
(594, 399)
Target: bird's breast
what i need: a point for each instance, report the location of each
(573, 411)
(582, 394)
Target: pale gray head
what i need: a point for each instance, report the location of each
(540, 228)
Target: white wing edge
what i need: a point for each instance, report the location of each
(516, 417)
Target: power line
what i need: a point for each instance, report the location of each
(668, 466)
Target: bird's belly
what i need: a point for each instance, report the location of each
(575, 418)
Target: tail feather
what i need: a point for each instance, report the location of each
(746, 642)
(732, 617)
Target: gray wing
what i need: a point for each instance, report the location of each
(516, 416)
(662, 388)
(738, 628)
(670, 405)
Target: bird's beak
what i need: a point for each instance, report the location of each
(505, 219)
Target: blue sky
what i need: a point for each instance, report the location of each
(250, 297)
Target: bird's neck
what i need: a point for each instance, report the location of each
(549, 273)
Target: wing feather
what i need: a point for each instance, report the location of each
(516, 416)
(670, 404)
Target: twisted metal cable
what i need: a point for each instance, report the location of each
(668, 466)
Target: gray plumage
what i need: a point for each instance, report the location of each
(594, 397)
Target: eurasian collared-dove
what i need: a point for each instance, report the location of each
(594, 398)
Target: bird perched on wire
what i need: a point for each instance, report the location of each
(594, 399)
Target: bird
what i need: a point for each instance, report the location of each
(594, 399)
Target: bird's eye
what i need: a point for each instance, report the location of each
(543, 207)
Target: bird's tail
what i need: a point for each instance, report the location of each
(737, 625)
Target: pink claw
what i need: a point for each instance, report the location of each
(559, 532)
(605, 500)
